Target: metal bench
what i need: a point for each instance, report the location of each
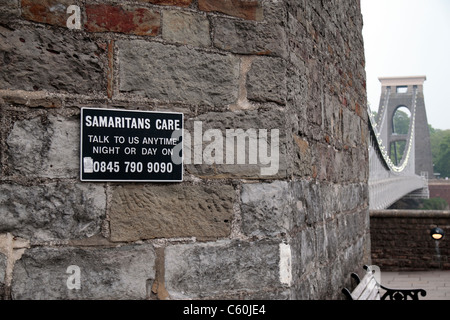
(368, 288)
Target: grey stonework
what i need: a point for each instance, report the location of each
(266, 80)
(3, 262)
(215, 269)
(193, 76)
(41, 59)
(186, 28)
(228, 231)
(148, 212)
(278, 207)
(39, 147)
(52, 211)
(267, 37)
(245, 120)
(267, 209)
(105, 273)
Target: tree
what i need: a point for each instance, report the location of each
(435, 204)
(400, 125)
(401, 121)
(443, 160)
(440, 150)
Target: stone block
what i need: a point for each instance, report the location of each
(327, 241)
(3, 262)
(177, 74)
(279, 207)
(52, 12)
(303, 157)
(212, 140)
(351, 128)
(266, 208)
(44, 147)
(178, 3)
(43, 59)
(10, 11)
(39, 99)
(186, 28)
(266, 80)
(245, 37)
(312, 197)
(223, 267)
(121, 18)
(249, 10)
(53, 211)
(171, 211)
(265, 37)
(50, 273)
(304, 250)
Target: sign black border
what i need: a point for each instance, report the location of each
(126, 180)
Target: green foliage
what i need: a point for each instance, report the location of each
(399, 148)
(440, 151)
(435, 204)
(400, 123)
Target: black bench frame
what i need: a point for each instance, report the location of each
(373, 290)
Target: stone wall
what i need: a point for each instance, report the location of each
(401, 239)
(228, 230)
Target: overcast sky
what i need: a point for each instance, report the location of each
(406, 38)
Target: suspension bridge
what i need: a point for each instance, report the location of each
(393, 179)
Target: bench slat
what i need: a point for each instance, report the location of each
(375, 295)
(361, 286)
(368, 289)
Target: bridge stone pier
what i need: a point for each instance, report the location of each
(397, 92)
(390, 180)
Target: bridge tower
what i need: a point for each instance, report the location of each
(397, 92)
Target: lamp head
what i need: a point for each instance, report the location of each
(437, 233)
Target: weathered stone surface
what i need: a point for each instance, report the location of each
(209, 269)
(186, 28)
(303, 156)
(267, 37)
(249, 38)
(53, 211)
(351, 128)
(179, 3)
(173, 74)
(44, 147)
(125, 19)
(279, 207)
(2, 273)
(266, 80)
(258, 163)
(47, 11)
(30, 99)
(267, 208)
(304, 249)
(250, 10)
(169, 211)
(10, 11)
(43, 59)
(327, 241)
(105, 273)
